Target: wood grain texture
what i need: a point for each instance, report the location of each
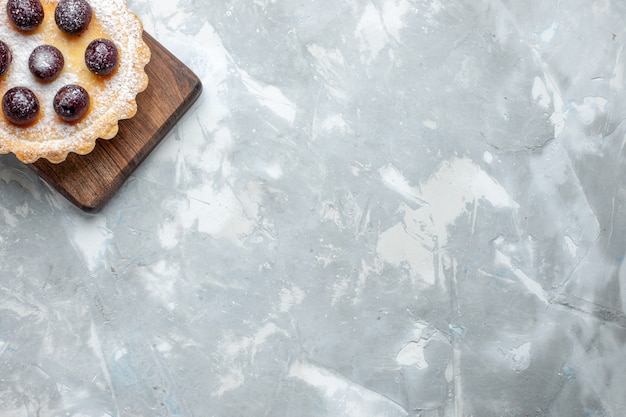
(89, 181)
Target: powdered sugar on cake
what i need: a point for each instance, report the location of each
(112, 98)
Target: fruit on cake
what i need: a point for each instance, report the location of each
(69, 71)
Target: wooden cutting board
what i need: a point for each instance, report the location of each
(89, 181)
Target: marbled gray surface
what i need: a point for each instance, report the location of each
(376, 208)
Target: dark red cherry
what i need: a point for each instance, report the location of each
(72, 16)
(101, 56)
(5, 58)
(71, 102)
(25, 14)
(20, 105)
(46, 62)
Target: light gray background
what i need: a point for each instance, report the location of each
(385, 208)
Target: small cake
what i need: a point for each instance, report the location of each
(70, 70)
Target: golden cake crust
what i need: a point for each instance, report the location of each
(112, 97)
